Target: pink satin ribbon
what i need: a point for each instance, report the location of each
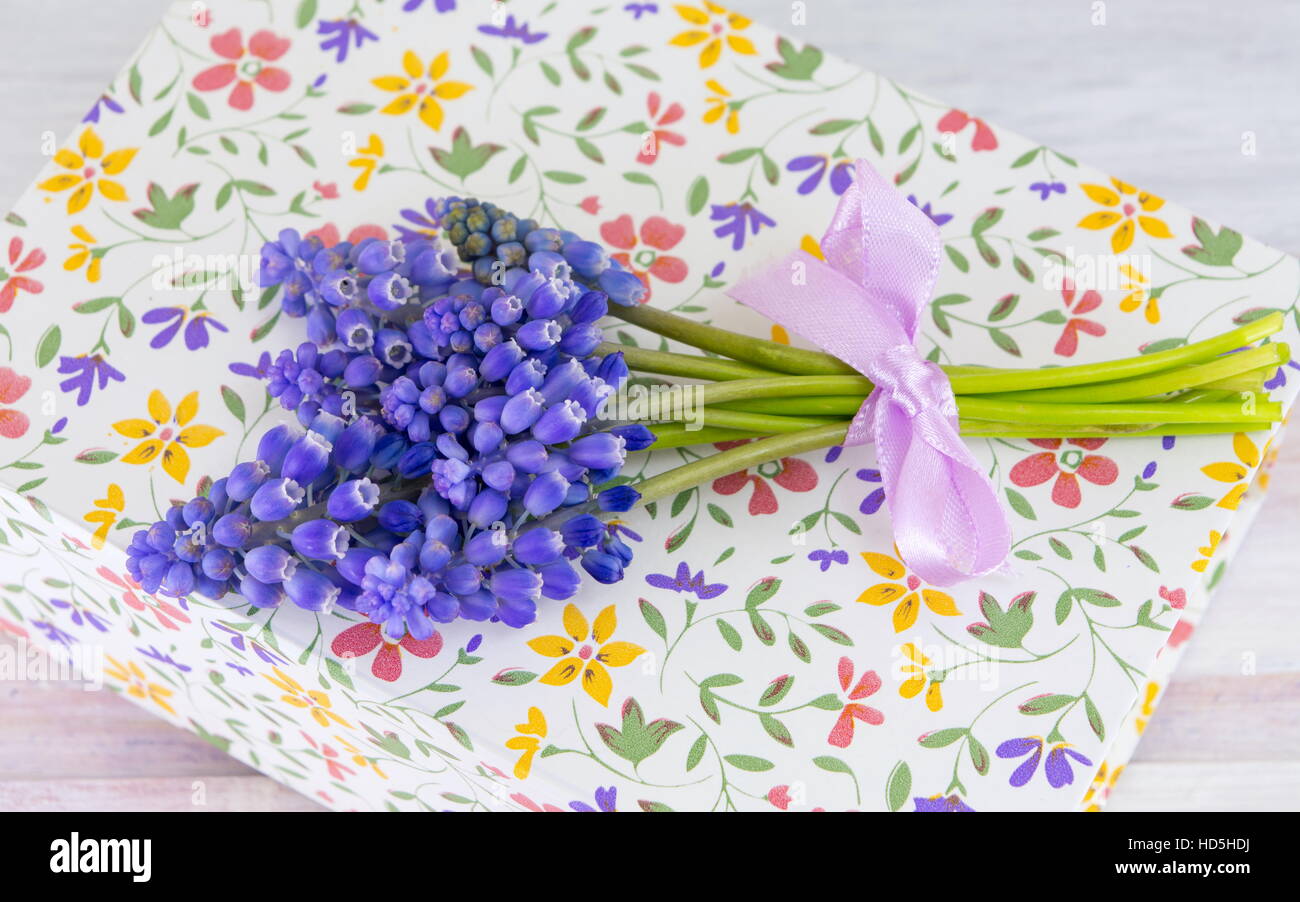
(863, 305)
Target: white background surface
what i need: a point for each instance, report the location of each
(1160, 95)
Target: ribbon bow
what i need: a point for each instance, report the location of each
(862, 305)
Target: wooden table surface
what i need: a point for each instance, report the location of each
(1161, 94)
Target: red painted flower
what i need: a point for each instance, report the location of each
(360, 640)
(329, 234)
(11, 283)
(1066, 467)
(955, 121)
(591, 204)
(657, 235)
(790, 473)
(246, 67)
(13, 423)
(842, 732)
(780, 797)
(1077, 304)
(650, 152)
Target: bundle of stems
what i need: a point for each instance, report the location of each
(798, 400)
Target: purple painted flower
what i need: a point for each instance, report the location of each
(239, 668)
(606, 798)
(833, 453)
(425, 222)
(941, 803)
(1058, 770)
(872, 502)
(936, 218)
(81, 617)
(1279, 378)
(826, 557)
(639, 9)
(439, 6)
(260, 370)
(1168, 442)
(53, 633)
(105, 102)
(196, 333)
(682, 581)
(841, 172)
(737, 220)
(513, 29)
(1047, 189)
(89, 373)
(163, 658)
(343, 35)
(242, 643)
(1149, 470)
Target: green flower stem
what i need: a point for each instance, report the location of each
(1250, 381)
(842, 406)
(965, 380)
(994, 381)
(688, 366)
(769, 355)
(766, 424)
(983, 429)
(1226, 412)
(677, 435)
(1162, 383)
(785, 387)
(706, 469)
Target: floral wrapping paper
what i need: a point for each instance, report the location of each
(767, 649)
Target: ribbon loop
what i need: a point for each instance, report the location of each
(863, 306)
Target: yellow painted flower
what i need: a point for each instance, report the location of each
(137, 685)
(1235, 472)
(105, 513)
(1101, 786)
(360, 759)
(84, 249)
(367, 160)
(414, 90)
(315, 701)
(916, 678)
(718, 104)
(87, 170)
(1139, 294)
(713, 26)
(1127, 211)
(167, 436)
(906, 590)
(528, 741)
(579, 657)
(1207, 551)
(1148, 707)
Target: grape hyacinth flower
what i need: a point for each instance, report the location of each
(448, 457)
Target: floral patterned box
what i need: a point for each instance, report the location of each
(768, 650)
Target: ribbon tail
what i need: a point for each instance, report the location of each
(948, 523)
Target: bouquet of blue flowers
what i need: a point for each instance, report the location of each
(452, 459)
